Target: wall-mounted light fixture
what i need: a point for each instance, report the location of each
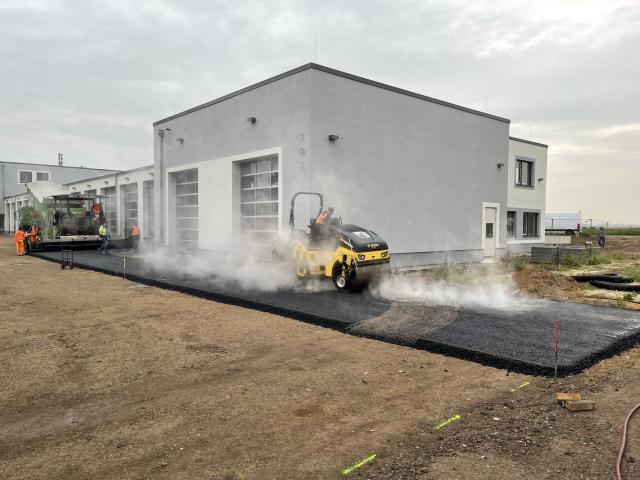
(333, 138)
(180, 140)
(500, 165)
(252, 119)
(151, 174)
(162, 130)
(540, 179)
(106, 182)
(126, 179)
(73, 188)
(88, 185)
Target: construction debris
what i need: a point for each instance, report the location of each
(579, 405)
(566, 396)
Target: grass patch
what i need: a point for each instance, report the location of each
(593, 232)
(520, 264)
(571, 261)
(598, 260)
(628, 297)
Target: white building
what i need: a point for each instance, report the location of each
(438, 181)
(14, 176)
(127, 199)
(527, 193)
(425, 174)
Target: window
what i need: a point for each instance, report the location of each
(259, 200)
(524, 173)
(187, 206)
(25, 176)
(42, 176)
(488, 230)
(511, 224)
(530, 224)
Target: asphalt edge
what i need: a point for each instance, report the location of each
(432, 346)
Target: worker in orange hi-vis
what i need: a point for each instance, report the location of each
(20, 236)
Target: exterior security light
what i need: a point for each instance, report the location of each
(540, 179)
(500, 165)
(252, 119)
(333, 138)
(88, 185)
(106, 182)
(73, 188)
(180, 140)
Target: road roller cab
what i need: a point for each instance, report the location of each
(348, 254)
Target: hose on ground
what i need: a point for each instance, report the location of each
(624, 441)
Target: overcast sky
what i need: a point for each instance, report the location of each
(88, 78)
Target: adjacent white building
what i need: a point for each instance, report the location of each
(527, 193)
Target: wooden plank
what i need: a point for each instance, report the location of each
(565, 396)
(579, 405)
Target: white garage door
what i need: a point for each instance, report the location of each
(259, 200)
(130, 205)
(110, 209)
(187, 207)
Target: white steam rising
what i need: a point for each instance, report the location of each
(245, 269)
(493, 292)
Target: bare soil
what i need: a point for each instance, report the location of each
(104, 378)
(621, 255)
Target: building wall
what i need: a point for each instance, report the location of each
(527, 199)
(415, 172)
(216, 138)
(120, 180)
(10, 185)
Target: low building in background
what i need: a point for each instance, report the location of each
(14, 176)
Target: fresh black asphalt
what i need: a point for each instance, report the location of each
(521, 340)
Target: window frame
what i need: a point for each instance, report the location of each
(30, 172)
(48, 174)
(525, 233)
(531, 171)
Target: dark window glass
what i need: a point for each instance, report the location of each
(511, 224)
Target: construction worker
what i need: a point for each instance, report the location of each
(135, 235)
(33, 235)
(324, 217)
(601, 237)
(103, 231)
(20, 237)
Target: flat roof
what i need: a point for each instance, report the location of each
(116, 172)
(338, 73)
(529, 142)
(59, 166)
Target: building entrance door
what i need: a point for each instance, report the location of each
(490, 231)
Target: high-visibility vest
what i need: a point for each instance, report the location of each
(102, 231)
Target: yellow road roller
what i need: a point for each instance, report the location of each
(350, 255)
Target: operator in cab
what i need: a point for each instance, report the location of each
(324, 217)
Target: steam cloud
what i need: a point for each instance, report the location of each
(495, 291)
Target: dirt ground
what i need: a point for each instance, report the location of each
(105, 379)
(622, 255)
